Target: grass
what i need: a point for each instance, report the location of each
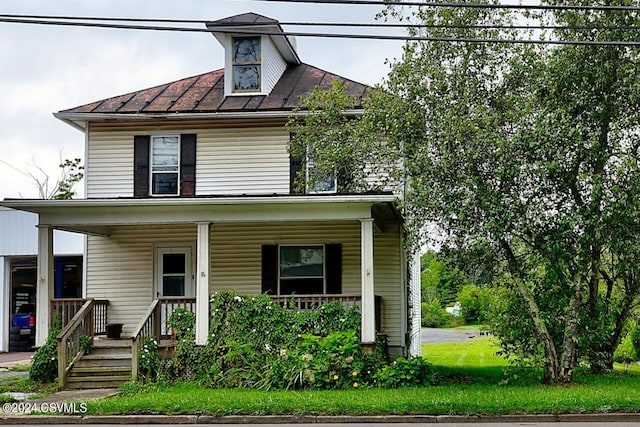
(619, 395)
(474, 381)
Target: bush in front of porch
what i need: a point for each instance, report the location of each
(255, 343)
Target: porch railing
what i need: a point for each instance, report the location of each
(67, 308)
(313, 302)
(81, 324)
(154, 325)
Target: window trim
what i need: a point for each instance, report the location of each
(303, 245)
(151, 165)
(309, 165)
(258, 63)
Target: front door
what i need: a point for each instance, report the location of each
(174, 276)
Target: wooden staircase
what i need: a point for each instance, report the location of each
(108, 365)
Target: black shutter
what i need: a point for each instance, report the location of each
(295, 167)
(188, 165)
(141, 166)
(334, 268)
(270, 269)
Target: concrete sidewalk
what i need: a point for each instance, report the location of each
(10, 360)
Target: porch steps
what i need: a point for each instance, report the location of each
(108, 365)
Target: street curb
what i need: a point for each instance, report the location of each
(313, 419)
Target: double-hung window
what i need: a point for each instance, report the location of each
(165, 165)
(246, 64)
(302, 270)
(316, 182)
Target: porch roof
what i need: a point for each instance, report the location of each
(96, 216)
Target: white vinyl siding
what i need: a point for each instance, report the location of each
(242, 161)
(387, 275)
(252, 160)
(236, 260)
(120, 268)
(109, 166)
(273, 66)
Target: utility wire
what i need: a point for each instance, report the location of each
(325, 24)
(457, 5)
(322, 35)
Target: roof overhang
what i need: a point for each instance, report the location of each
(286, 45)
(79, 120)
(97, 216)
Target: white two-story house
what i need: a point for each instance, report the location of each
(189, 191)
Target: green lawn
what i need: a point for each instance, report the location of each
(474, 381)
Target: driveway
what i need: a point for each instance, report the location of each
(436, 335)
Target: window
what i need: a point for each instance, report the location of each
(317, 183)
(165, 165)
(246, 64)
(301, 270)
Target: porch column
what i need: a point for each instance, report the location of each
(368, 293)
(203, 264)
(44, 286)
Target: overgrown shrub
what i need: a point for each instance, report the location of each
(413, 372)
(44, 366)
(149, 360)
(255, 343)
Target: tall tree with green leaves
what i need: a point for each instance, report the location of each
(527, 156)
(586, 136)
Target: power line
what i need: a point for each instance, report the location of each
(320, 24)
(458, 5)
(321, 35)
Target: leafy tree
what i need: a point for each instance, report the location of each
(71, 172)
(438, 279)
(527, 158)
(327, 139)
(475, 302)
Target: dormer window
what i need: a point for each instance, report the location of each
(246, 63)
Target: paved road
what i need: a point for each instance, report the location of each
(433, 335)
(501, 424)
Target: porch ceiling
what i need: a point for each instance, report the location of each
(96, 216)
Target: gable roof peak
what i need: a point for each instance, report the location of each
(249, 18)
(251, 23)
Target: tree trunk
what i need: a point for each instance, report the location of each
(552, 366)
(570, 338)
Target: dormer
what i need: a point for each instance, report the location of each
(257, 53)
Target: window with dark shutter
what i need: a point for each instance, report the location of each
(188, 165)
(141, 166)
(302, 269)
(295, 167)
(270, 269)
(334, 268)
(164, 165)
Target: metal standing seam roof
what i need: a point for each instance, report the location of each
(204, 93)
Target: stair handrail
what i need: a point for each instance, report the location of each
(148, 327)
(69, 349)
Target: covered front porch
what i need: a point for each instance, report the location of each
(84, 319)
(228, 237)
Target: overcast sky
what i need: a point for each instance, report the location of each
(45, 69)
